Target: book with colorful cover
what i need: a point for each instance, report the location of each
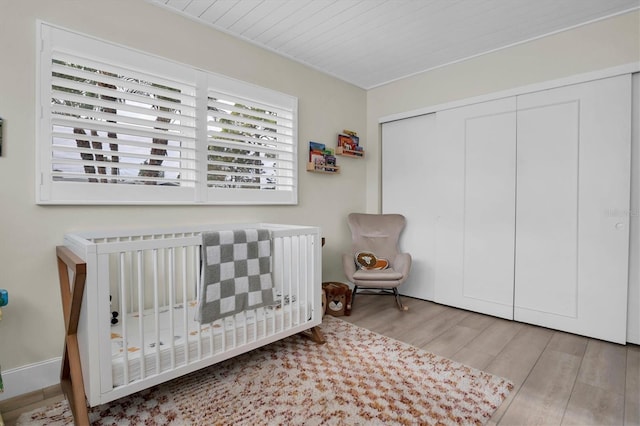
(315, 149)
(349, 142)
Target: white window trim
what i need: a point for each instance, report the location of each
(49, 191)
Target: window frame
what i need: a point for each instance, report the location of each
(54, 40)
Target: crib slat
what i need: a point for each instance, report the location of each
(279, 265)
(123, 309)
(185, 304)
(295, 282)
(196, 269)
(172, 304)
(245, 326)
(156, 310)
(223, 346)
(141, 303)
(289, 265)
(234, 332)
(304, 310)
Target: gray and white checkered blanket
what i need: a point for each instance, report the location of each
(236, 273)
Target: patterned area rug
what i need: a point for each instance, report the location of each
(357, 377)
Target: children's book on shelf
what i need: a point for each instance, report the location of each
(321, 157)
(350, 142)
(346, 142)
(315, 148)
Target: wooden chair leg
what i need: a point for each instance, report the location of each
(71, 370)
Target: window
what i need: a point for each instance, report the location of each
(121, 127)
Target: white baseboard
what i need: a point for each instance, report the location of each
(30, 378)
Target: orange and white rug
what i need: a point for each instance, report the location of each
(357, 377)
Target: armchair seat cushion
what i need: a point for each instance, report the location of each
(388, 274)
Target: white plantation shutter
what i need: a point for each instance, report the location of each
(120, 126)
(115, 126)
(250, 145)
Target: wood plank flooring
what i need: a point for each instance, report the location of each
(12, 408)
(560, 378)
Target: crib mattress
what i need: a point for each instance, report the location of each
(178, 339)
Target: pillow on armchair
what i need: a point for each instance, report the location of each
(370, 262)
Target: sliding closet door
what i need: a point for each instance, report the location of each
(409, 168)
(476, 207)
(572, 239)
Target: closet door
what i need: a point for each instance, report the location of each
(572, 239)
(476, 207)
(408, 187)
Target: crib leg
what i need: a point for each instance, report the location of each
(71, 372)
(71, 382)
(315, 334)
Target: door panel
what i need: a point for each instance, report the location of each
(476, 207)
(547, 209)
(408, 187)
(574, 138)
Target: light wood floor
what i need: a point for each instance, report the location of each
(12, 408)
(560, 378)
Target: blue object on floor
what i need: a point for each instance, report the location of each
(4, 297)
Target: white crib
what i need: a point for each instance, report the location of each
(151, 278)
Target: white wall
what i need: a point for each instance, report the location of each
(31, 331)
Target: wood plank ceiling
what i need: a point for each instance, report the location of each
(372, 42)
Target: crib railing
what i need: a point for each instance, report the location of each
(152, 281)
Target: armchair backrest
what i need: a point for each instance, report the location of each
(377, 233)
